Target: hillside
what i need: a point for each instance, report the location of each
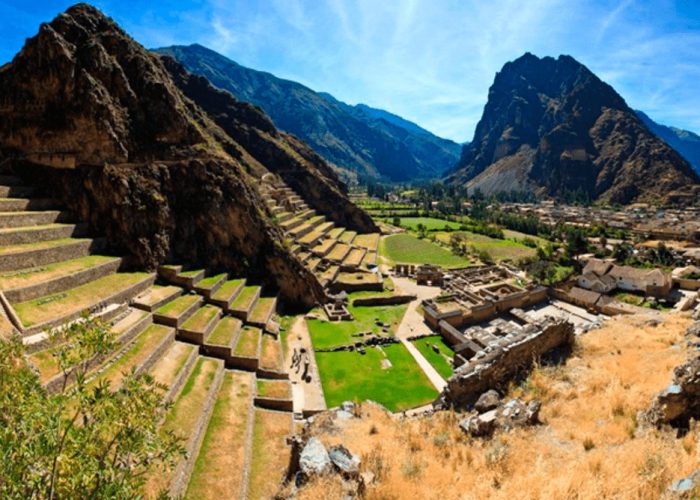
(685, 142)
(368, 144)
(550, 126)
(162, 177)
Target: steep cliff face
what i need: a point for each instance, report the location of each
(551, 126)
(155, 173)
(360, 139)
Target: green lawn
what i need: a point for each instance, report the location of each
(442, 365)
(325, 334)
(408, 249)
(430, 223)
(352, 376)
(498, 249)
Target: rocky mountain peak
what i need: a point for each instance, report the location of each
(551, 126)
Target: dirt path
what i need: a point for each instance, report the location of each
(412, 324)
(306, 396)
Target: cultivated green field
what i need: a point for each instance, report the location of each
(352, 376)
(430, 223)
(442, 365)
(498, 249)
(407, 249)
(325, 334)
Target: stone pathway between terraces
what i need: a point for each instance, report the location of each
(306, 396)
(412, 324)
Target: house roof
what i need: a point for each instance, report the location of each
(597, 266)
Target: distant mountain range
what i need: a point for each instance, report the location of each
(685, 142)
(552, 127)
(370, 143)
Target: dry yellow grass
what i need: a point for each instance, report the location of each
(588, 447)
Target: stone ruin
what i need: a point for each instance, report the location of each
(491, 414)
(488, 361)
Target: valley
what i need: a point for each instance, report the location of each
(216, 283)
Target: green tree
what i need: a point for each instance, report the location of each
(87, 440)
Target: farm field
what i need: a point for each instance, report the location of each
(398, 384)
(499, 250)
(408, 249)
(430, 223)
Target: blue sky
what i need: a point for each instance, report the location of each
(431, 61)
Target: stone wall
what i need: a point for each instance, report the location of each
(391, 300)
(499, 365)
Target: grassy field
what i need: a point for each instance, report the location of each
(270, 454)
(325, 334)
(408, 249)
(499, 250)
(517, 235)
(442, 365)
(352, 376)
(430, 223)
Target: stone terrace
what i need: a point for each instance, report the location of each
(210, 339)
(326, 250)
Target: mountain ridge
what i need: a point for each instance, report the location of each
(687, 143)
(337, 131)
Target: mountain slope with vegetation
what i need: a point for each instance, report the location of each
(371, 144)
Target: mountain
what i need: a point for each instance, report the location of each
(685, 142)
(371, 143)
(167, 166)
(550, 126)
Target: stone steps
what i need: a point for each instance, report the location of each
(26, 204)
(174, 366)
(370, 259)
(269, 453)
(246, 351)
(339, 252)
(130, 325)
(219, 470)
(33, 234)
(329, 275)
(271, 357)
(199, 324)
(208, 286)
(312, 264)
(27, 255)
(27, 284)
(156, 297)
(177, 311)
(273, 394)
(220, 342)
(263, 310)
(188, 418)
(140, 355)
(243, 304)
(46, 312)
(324, 248)
(336, 232)
(227, 293)
(290, 224)
(354, 258)
(32, 218)
(347, 237)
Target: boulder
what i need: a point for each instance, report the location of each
(487, 401)
(314, 458)
(345, 461)
(480, 425)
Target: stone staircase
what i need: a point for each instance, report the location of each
(326, 250)
(51, 271)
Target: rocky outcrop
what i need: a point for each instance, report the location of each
(495, 415)
(154, 172)
(552, 127)
(680, 401)
(368, 142)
